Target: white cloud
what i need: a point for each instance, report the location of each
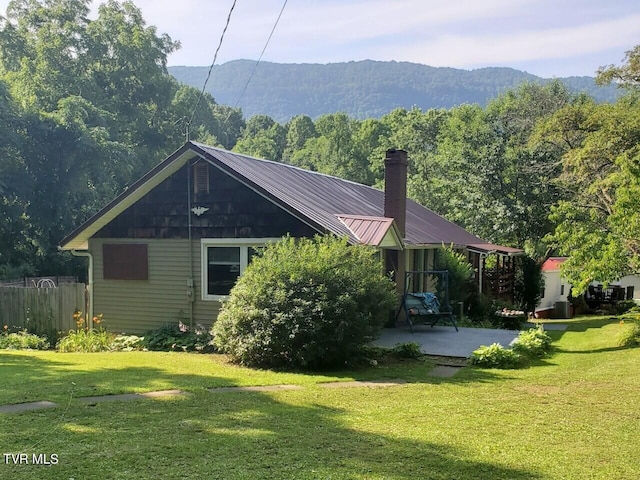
(530, 34)
(502, 48)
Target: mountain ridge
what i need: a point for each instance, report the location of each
(362, 89)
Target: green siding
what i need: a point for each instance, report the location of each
(134, 306)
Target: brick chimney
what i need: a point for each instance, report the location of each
(395, 188)
(395, 206)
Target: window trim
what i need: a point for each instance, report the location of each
(243, 243)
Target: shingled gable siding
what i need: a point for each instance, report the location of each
(229, 209)
(136, 306)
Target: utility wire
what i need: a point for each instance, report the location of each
(215, 56)
(261, 54)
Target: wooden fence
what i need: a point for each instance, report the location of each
(43, 311)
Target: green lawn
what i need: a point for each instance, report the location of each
(574, 415)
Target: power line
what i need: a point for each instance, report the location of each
(215, 56)
(261, 54)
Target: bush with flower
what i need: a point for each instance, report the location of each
(85, 338)
(15, 338)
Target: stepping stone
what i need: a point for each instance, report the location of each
(263, 388)
(26, 407)
(126, 397)
(370, 384)
(444, 371)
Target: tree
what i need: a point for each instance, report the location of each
(598, 224)
(626, 75)
(262, 137)
(16, 241)
(333, 151)
(97, 108)
(481, 171)
(299, 129)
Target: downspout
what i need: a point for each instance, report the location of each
(190, 284)
(480, 272)
(88, 255)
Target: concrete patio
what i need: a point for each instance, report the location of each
(445, 341)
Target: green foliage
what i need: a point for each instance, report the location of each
(85, 338)
(495, 356)
(305, 303)
(529, 283)
(598, 224)
(629, 335)
(461, 274)
(126, 343)
(21, 340)
(533, 343)
(86, 106)
(626, 306)
(362, 89)
(179, 337)
(626, 75)
(407, 350)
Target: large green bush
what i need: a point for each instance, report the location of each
(305, 303)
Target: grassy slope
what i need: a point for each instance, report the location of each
(574, 415)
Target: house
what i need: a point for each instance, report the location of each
(555, 295)
(557, 289)
(172, 245)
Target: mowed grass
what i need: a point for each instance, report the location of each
(574, 415)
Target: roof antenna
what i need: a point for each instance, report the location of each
(185, 129)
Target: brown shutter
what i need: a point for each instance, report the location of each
(125, 261)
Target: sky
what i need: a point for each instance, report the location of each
(548, 38)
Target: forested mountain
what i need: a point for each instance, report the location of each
(364, 89)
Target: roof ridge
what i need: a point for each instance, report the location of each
(286, 165)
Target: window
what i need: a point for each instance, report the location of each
(223, 261)
(561, 289)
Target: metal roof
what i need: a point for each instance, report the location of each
(376, 231)
(315, 198)
(321, 198)
(553, 264)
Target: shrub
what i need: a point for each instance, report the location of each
(126, 343)
(533, 343)
(21, 340)
(305, 303)
(407, 350)
(180, 337)
(495, 356)
(85, 339)
(629, 336)
(625, 306)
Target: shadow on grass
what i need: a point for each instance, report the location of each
(583, 324)
(594, 350)
(234, 435)
(29, 378)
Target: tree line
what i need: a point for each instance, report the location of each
(87, 106)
